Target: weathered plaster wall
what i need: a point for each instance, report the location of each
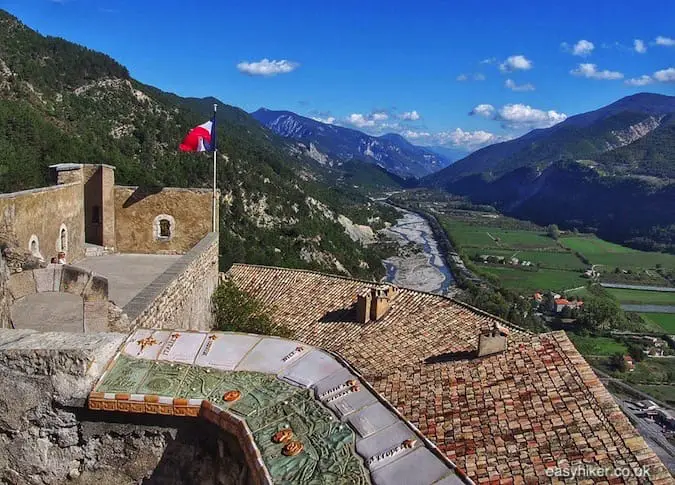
(136, 209)
(5, 297)
(47, 437)
(41, 212)
(180, 298)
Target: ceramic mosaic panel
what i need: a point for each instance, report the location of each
(163, 379)
(125, 375)
(182, 347)
(289, 433)
(225, 351)
(199, 382)
(146, 343)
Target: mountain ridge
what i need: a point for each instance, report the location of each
(584, 135)
(332, 144)
(61, 102)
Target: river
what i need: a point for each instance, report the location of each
(425, 271)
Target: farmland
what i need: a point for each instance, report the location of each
(531, 281)
(553, 267)
(613, 256)
(664, 320)
(637, 297)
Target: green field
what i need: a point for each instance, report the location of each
(543, 259)
(468, 235)
(612, 255)
(520, 279)
(664, 393)
(637, 297)
(664, 320)
(603, 346)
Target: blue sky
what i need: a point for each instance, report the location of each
(452, 72)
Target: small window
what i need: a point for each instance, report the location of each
(96, 214)
(164, 228)
(64, 239)
(34, 246)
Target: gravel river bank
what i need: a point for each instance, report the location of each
(424, 271)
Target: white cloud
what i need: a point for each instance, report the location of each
(590, 71)
(510, 83)
(516, 63)
(521, 115)
(583, 48)
(477, 76)
(662, 76)
(639, 81)
(359, 120)
(665, 41)
(415, 135)
(484, 110)
(379, 116)
(410, 116)
(468, 140)
(489, 60)
(665, 75)
(639, 46)
(329, 120)
(265, 67)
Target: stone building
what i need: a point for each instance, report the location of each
(135, 256)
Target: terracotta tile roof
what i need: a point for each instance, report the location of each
(508, 416)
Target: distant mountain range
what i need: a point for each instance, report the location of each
(610, 170)
(334, 145)
(586, 136)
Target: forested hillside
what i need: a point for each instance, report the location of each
(60, 102)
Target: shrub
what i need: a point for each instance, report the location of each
(237, 311)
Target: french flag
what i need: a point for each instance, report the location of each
(201, 138)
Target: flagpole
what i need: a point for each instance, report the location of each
(215, 155)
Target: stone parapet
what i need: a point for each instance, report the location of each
(180, 298)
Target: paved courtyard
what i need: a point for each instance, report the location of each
(127, 275)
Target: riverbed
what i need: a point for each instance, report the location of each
(424, 271)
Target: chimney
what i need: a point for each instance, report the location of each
(493, 341)
(374, 303)
(363, 303)
(383, 296)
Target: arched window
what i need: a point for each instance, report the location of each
(34, 246)
(63, 238)
(163, 227)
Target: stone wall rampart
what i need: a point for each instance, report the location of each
(180, 298)
(40, 214)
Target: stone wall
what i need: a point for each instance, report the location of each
(41, 213)
(47, 437)
(180, 298)
(137, 211)
(5, 297)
